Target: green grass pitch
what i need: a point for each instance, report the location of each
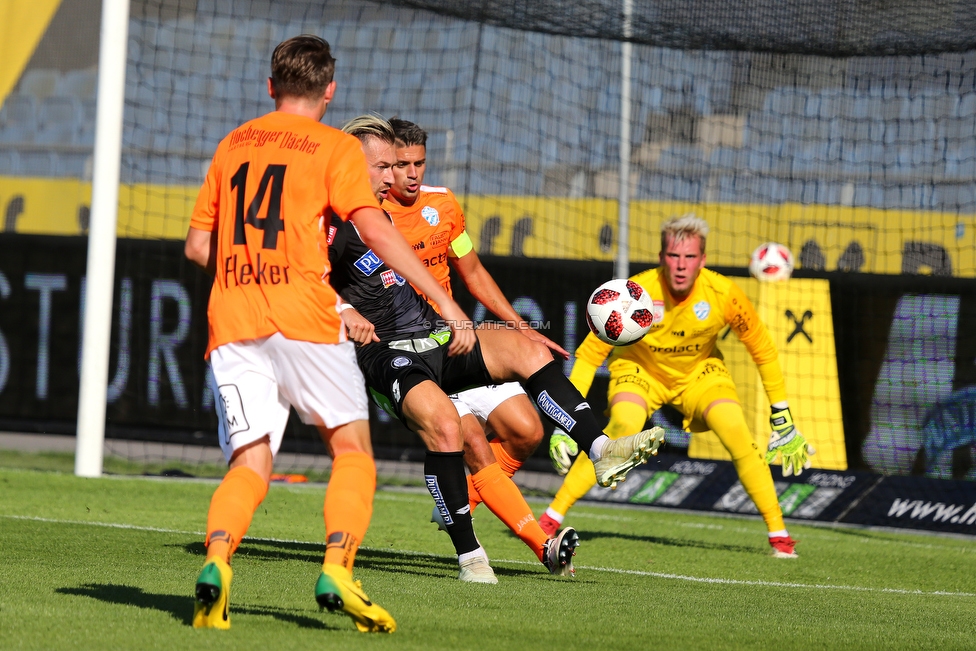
(110, 564)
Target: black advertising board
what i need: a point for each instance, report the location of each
(158, 390)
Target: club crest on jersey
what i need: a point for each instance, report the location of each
(391, 277)
(657, 312)
(401, 361)
(702, 310)
(430, 214)
(369, 263)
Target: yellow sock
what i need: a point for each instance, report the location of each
(728, 423)
(348, 506)
(231, 508)
(625, 418)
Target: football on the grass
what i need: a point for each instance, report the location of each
(620, 312)
(771, 262)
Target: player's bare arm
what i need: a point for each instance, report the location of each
(484, 288)
(380, 235)
(199, 249)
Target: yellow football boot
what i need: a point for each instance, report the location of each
(212, 607)
(336, 591)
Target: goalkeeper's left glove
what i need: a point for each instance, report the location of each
(787, 441)
(562, 449)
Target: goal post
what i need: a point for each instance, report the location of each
(100, 275)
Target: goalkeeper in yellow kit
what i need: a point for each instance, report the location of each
(678, 363)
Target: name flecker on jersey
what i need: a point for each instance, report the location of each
(391, 277)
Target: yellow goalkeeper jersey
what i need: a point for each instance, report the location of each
(686, 332)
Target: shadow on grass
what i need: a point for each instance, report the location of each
(181, 607)
(372, 559)
(672, 542)
(377, 560)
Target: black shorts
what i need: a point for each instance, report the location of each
(391, 373)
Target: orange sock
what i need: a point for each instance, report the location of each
(348, 506)
(231, 508)
(502, 496)
(506, 462)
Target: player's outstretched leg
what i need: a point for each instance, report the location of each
(560, 401)
(212, 607)
(625, 416)
(337, 592)
(619, 457)
(505, 500)
(559, 551)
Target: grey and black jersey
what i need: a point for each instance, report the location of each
(377, 292)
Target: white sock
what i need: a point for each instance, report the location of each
(555, 515)
(596, 450)
(782, 533)
(469, 555)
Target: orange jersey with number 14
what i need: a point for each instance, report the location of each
(270, 185)
(434, 227)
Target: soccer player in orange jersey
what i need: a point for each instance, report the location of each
(678, 363)
(276, 339)
(432, 220)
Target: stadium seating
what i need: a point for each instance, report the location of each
(543, 106)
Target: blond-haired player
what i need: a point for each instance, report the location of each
(678, 363)
(276, 339)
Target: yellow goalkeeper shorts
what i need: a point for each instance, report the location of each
(709, 381)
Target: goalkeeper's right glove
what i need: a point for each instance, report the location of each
(786, 440)
(562, 449)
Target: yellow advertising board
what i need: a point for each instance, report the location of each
(22, 24)
(856, 239)
(799, 318)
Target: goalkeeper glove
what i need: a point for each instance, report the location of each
(787, 441)
(562, 449)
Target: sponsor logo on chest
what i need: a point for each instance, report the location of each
(657, 312)
(391, 277)
(439, 239)
(369, 263)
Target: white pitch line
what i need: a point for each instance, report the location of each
(592, 568)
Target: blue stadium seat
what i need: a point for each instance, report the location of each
(80, 84)
(9, 162)
(18, 119)
(59, 120)
(76, 165)
(724, 160)
(39, 83)
(39, 163)
(684, 160)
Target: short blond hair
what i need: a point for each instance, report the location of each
(370, 125)
(682, 227)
